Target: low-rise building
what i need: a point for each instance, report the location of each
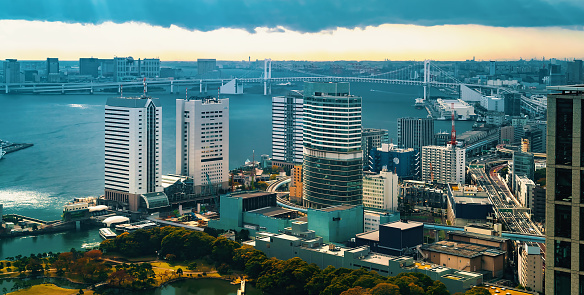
(467, 204)
(419, 193)
(299, 242)
(336, 224)
(372, 219)
(395, 238)
(530, 267)
(467, 257)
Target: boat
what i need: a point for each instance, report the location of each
(106, 233)
(420, 103)
(2, 152)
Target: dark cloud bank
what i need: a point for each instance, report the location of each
(303, 16)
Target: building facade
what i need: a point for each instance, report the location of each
(333, 164)
(404, 162)
(443, 164)
(12, 71)
(512, 103)
(530, 267)
(296, 184)
(564, 214)
(206, 65)
(89, 66)
(380, 191)
(127, 68)
(287, 113)
(133, 149)
(202, 142)
(372, 139)
(415, 132)
(523, 165)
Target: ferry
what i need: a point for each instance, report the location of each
(106, 233)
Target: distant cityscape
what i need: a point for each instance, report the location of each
(469, 209)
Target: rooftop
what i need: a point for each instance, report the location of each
(250, 195)
(272, 211)
(478, 236)
(403, 225)
(337, 208)
(462, 249)
(131, 102)
(370, 235)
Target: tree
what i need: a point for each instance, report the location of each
(477, 291)
(385, 289)
(179, 272)
(437, 288)
(192, 266)
(356, 291)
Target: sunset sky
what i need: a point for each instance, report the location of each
(298, 30)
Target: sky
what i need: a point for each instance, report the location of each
(292, 30)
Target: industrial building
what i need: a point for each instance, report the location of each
(415, 132)
(300, 242)
(462, 110)
(133, 152)
(443, 164)
(202, 142)
(404, 162)
(287, 122)
(467, 204)
(333, 163)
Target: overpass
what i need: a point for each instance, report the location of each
(506, 234)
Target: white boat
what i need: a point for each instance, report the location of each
(420, 103)
(106, 233)
(2, 152)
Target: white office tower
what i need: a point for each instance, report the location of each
(133, 149)
(202, 142)
(287, 113)
(380, 190)
(443, 164)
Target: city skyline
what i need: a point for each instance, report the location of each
(370, 30)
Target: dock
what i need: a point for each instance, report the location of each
(10, 147)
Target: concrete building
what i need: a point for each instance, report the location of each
(52, 70)
(287, 122)
(466, 257)
(507, 135)
(333, 163)
(372, 139)
(575, 72)
(310, 249)
(126, 68)
(530, 267)
(442, 138)
(133, 151)
(467, 204)
(538, 209)
(12, 71)
(202, 142)
(524, 192)
(404, 162)
(493, 103)
(396, 238)
(564, 214)
(296, 190)
(419, 193)
(462, 110)
(415, 132)
(206, 65)
(443, 164)
(89, 66)
(336, 224)
(150, 67)
(373, 219)
(380, 191)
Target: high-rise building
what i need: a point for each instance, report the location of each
(403, 162)
(333, 167)
(372, 139)
(380, 191)
(128, 68)
(443, 164)
(442, 138)
(11, 71)
(287, 112)
(415, 132)
(89, 66)
(564, 175)
(530, 267)
(512, 103)
(296, 184)
(206, 65)
(523, 165)
(53, 69)
(133, 150)
(202, 142)
(575, 72)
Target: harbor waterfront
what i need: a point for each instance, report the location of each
(66, 160)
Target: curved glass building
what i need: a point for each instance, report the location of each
(333, 164)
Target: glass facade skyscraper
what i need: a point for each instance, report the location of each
(333, 164)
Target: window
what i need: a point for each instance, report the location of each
(562, 254)
(564, 121)
(563, 221)
(563, 185)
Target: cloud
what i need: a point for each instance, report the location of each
(303, 15)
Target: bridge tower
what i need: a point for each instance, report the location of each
(426, 77)
(267, 76)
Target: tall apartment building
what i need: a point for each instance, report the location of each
(443, 164)
(11, 71)
(53, 69)
(296, 184)
(380, 191)
(530, 267)
(564, 272)
(512, 102)
(575, 72)
(372, 139)
(333, 164)
(415, 132)
(133, 149)
(202, 141)
(287, 121)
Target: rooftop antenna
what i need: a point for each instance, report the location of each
(144, 82)
(453, 132)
